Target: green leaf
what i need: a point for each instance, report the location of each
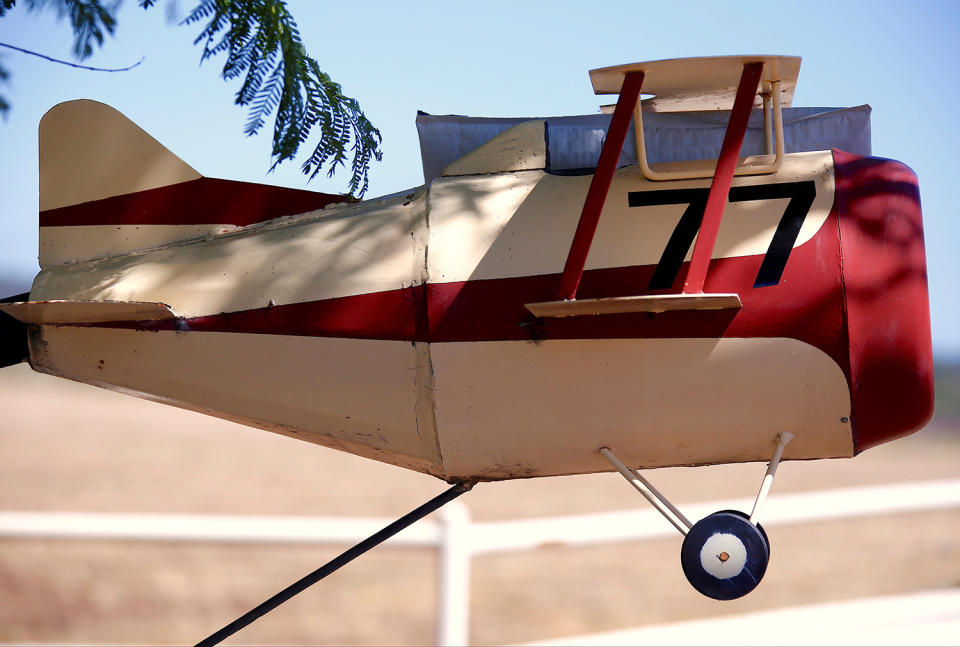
(261, 41)
(90, 20)
(4, 78)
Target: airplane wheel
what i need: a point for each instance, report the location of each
(724, 556)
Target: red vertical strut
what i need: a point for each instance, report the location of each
(722, 178)
(600, 185)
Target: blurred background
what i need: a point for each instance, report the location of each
(67, 447)
(72, 447)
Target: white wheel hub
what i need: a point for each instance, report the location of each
(723, 555)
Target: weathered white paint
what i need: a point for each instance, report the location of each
(458, 410)
(334, 252)
(90, 151)
(515, 409)
(73, 243)
(521, 224)
(489, 410)
(520, 148)
(702, 83)
(73, 312)
(480, 227)
(355, 395)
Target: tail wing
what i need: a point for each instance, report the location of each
(89, 154)
(108, 188)
(90, 151)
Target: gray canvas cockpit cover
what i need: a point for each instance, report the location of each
(573, 143)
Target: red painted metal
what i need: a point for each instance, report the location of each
(205, 201)
(856, 291)
(806, 305)
(886, 303)
(723, 177)
(600, 185)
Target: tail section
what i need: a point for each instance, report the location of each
(108, 188)
(90, 151)
(17, 312)
(89, 154)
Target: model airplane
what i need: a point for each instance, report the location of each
(544, 305)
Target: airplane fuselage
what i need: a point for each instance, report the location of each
(396, 328)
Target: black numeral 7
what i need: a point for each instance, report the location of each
(801, 196)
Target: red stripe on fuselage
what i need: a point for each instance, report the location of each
(869, 313)
(380, 315)
(197, 202)
(805, 305)
(398, 315)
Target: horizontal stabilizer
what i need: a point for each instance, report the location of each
(80, 312)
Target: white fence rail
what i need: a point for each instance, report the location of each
(458, 538)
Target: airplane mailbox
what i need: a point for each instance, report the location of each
(436, 328)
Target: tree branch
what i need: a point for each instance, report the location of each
(76, 65)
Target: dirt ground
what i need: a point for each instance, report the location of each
(69, 447)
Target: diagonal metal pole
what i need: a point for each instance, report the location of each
(650, 493)
(600, 185)
(782, 439)
(334, 564)
(723, 177)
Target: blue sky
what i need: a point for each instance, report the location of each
(499, 59)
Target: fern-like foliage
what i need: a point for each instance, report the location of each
(4, 104)
(91, 20)
(5, 5)
(262, 44)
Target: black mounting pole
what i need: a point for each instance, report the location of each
(14, 347)
(334, 564)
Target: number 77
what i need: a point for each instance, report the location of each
(801, 196)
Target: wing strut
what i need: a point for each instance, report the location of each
(723, 177)
(600, 185)
(349, 555)
(628, 101)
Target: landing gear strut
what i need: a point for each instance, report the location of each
(724, 555)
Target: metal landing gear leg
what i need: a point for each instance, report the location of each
(724, 555)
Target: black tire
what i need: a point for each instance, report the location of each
(724, 556)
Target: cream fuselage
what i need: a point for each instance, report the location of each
(382, 329)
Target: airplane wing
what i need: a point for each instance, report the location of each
(15, 315)
(81, 312)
